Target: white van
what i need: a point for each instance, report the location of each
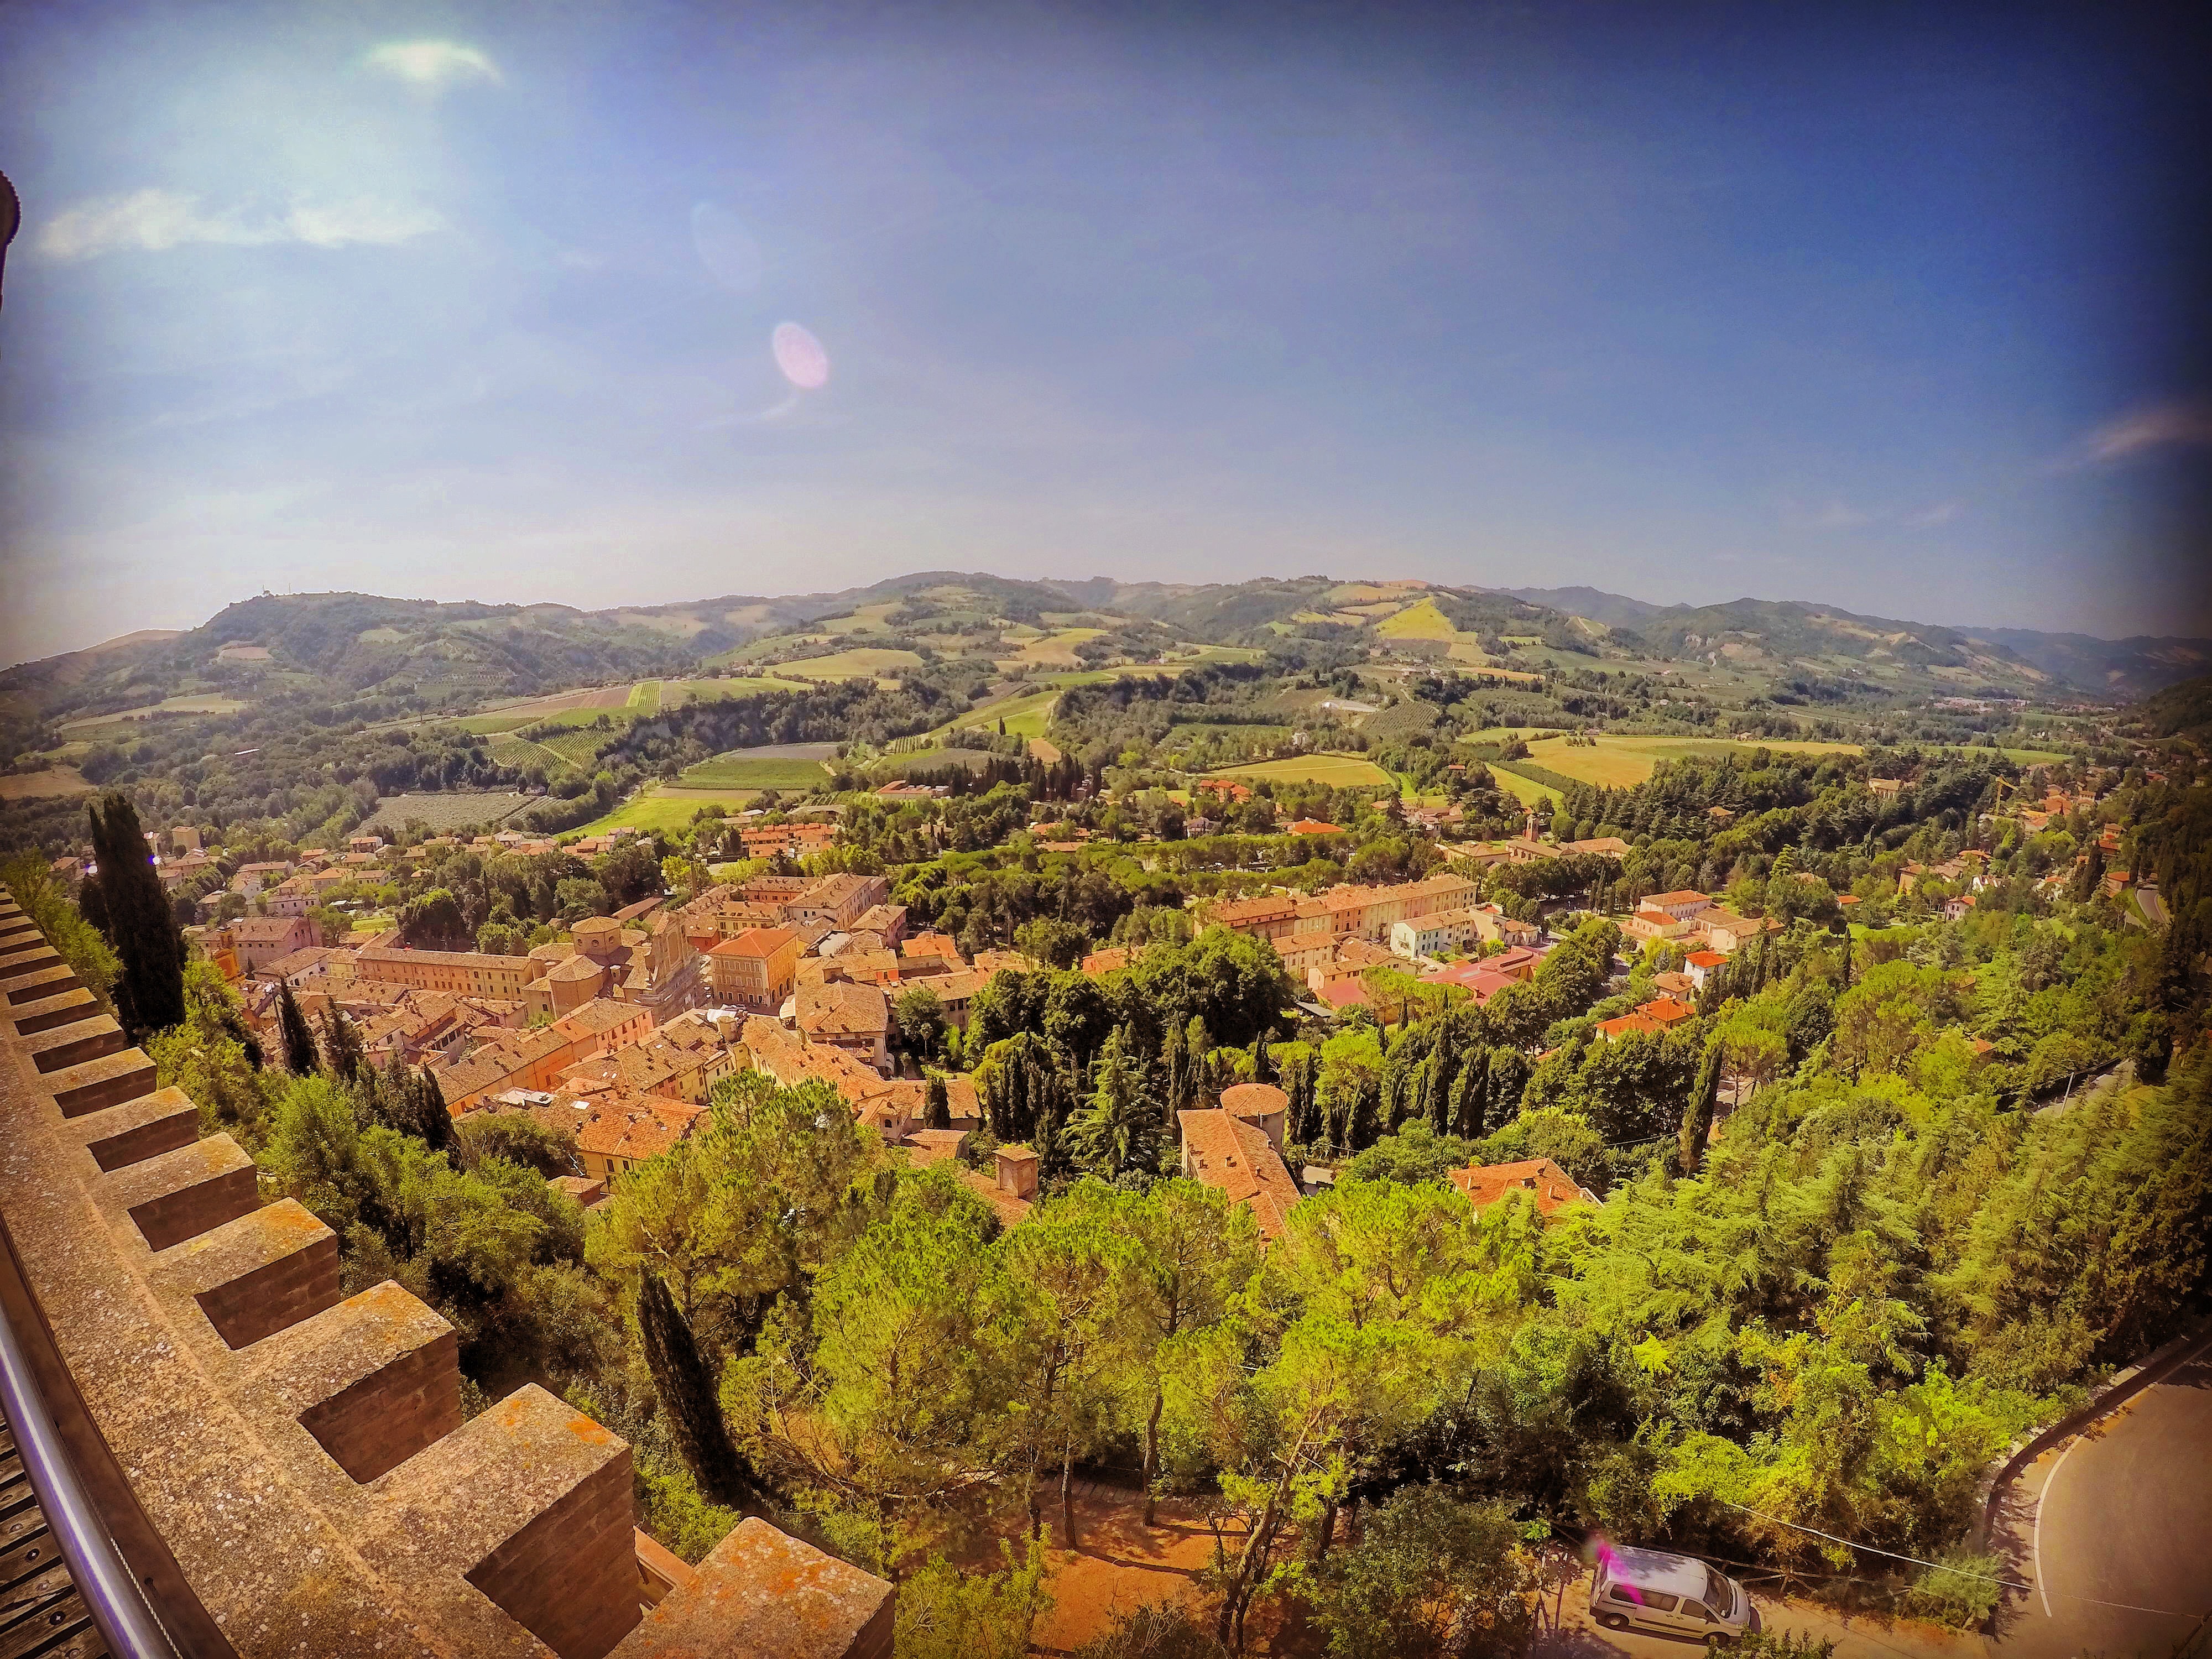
(1670, 1595)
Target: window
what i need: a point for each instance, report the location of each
(1719, 1592)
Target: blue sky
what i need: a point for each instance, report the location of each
(450, 301)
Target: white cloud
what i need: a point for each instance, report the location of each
(2158, 427)
(433, 64)
(1834, 516)
(152, 220)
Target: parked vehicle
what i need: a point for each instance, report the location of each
(1670, 1595)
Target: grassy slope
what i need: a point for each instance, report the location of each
(1623, 761)
(861, 662)
(723, 773)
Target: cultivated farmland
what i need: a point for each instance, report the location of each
(741, 771)
(1621, 763)
(448, 809)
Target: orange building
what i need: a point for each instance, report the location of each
(754, 970)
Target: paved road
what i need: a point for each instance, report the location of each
(2121, 1514)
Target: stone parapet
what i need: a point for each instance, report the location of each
(286, 1468)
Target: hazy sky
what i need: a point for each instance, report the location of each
(639, 302)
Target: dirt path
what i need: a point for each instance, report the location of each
(1120, 1564)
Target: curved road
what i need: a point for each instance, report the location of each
(2124, 1516)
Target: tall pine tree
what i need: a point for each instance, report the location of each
(127, 903)
(687, 1394)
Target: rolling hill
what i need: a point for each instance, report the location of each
(2009, 661)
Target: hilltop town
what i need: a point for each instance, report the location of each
(1239, 1080)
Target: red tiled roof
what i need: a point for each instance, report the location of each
(1344, 993)
(634, 1127)
(1483, 1184)
(1224, 1152)
(755, 942)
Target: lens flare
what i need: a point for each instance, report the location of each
(800, 356)
(725, 247)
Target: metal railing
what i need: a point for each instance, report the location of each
(111, 1591)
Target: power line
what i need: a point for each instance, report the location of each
(1939, 1566)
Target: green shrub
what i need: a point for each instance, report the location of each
(45, 901)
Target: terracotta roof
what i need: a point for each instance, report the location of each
(1253, 1099)
(1224, 1152)
(843, 1009)
(1685, 896)
(634, 1127)
(1010, 1209)
(790, 1061)
(598, 1016)
(1626, 1024)
(926, 1146)
(1483, 1184)
(755, 942)
(1268, 907)
(1668, 1011)
(1704, 958)
(955, 987)
(1344, 993)
(1315, 826)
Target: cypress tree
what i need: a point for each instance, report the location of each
(342, 1045)
(299, 1056)
(937, 1108)
(1698, 1121)
(427, 1113)
(136, 914)
(1507, 1080)
(1467, 1092)
(687, 1393)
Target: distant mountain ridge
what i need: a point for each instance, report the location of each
(366, 656)
(2127, 669)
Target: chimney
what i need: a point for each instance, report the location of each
(1018, 1172)
(1531, 830)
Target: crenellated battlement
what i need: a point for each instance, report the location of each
(286, 1468)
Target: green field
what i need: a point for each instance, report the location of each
(1526, 791)
(723, 773)
(1338, 771)
(645, 698)
(676, 693)
(660, 809)
(1418, 622)
(1622, 762)
(862, 662)
(206, 702)
(1058, 648)
(520, 751)
(495, 725)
